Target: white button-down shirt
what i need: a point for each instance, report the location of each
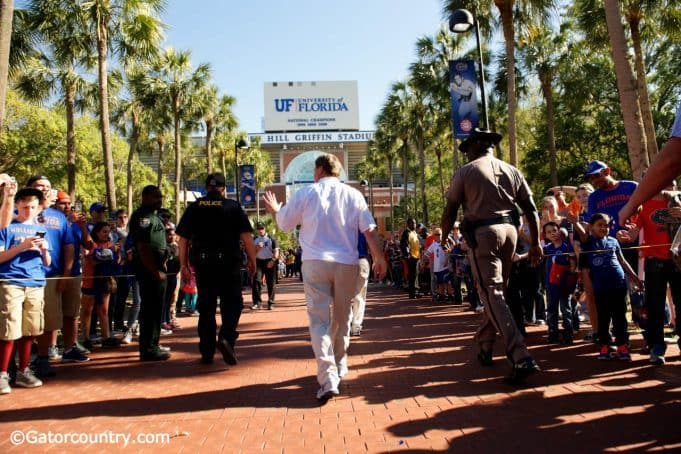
(330, 214)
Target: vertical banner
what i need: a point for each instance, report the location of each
(463, 85)
(247, 185)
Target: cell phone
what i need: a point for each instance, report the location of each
(78, 206)
(40, 234)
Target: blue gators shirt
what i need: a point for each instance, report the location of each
(611, 202)
(606, 270)
(59, 234)
(27, 266)
(560, 255)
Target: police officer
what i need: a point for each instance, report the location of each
(210, 231)
(266, 255)
(489, 190)
(148, 235)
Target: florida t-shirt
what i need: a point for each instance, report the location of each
(600, 257)
(611, 202)
(26, 268)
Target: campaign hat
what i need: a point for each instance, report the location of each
(480, 134)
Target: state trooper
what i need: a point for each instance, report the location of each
(210, 232)
(490, 192)
(148, 235)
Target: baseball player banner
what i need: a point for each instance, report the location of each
(463, 84)
(247, 185)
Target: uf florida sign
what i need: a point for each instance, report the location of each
(310, 106)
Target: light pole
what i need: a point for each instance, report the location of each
(461, 21)
(364, 183)
(239, 144)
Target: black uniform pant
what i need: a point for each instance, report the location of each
(270, 276)
(152, 294)
(612, 305)
(224, 283)
(411, 275)
(659, 274)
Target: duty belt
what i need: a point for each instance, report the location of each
(491, 221)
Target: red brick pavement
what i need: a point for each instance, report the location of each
(413, 385)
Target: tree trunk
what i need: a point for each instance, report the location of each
(547, 91)
(405, 176)
(104, 117)
(6, 15)
(626, 85)
(506, 11)
(420, 149)
(70, 102)
(438, 154)
(455, 154)
(223, 162)
(209, 150)
(159, 171)
(642, 85)
(134, 137)
(178, 162)
(390, 191)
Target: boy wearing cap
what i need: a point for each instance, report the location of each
(60, 238)
(23, 256)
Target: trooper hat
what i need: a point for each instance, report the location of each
(480, 134)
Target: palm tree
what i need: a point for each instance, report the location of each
(626, 85)
(541, 51)
(507, 9)
(6, 15)
(218, 117)
(174, 83)
(127, 27)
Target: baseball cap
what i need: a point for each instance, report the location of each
(259, 225)
(595, 167)
(61, 195)
(216, 179)
(97, 206)
(35, 178)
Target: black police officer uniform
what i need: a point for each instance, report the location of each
(147, 227)
(214, 225)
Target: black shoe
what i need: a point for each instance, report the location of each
(485, 358)
(111, 342)
(521, 370)
(227, 351)
(206, 360)
(567, 339)
(553, 338)
(87, 344)
(270, 306)
(42, 369)
(154, 355)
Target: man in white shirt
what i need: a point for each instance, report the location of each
(330, 214)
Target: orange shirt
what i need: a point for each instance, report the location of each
(652, 219)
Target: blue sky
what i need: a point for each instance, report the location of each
(250, 42)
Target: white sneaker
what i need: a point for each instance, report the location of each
(326, 392)
(4, 383)
(127, 337)
(27, 379)
(166, 332)
(163, 348)
(480, 309)
(53, 353)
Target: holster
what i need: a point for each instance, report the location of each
(468, 232)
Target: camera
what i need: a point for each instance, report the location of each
(40, 234)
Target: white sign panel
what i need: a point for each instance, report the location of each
(313, 137)
(311, 106)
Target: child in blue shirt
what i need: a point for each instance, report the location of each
(602, 256)
(23, 253)
(560, 265)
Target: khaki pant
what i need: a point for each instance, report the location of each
(329, 290)
(54, 316)
(21, 311)
(491, 264)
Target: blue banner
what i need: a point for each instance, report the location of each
(463, 85)
(247, 185)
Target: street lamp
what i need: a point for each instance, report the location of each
(461, 21)
(365, 183)
(239, 144)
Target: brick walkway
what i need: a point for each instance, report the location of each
(413, 386)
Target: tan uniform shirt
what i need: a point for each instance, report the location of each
(487, 188)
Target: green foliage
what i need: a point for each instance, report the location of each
(34, 142)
